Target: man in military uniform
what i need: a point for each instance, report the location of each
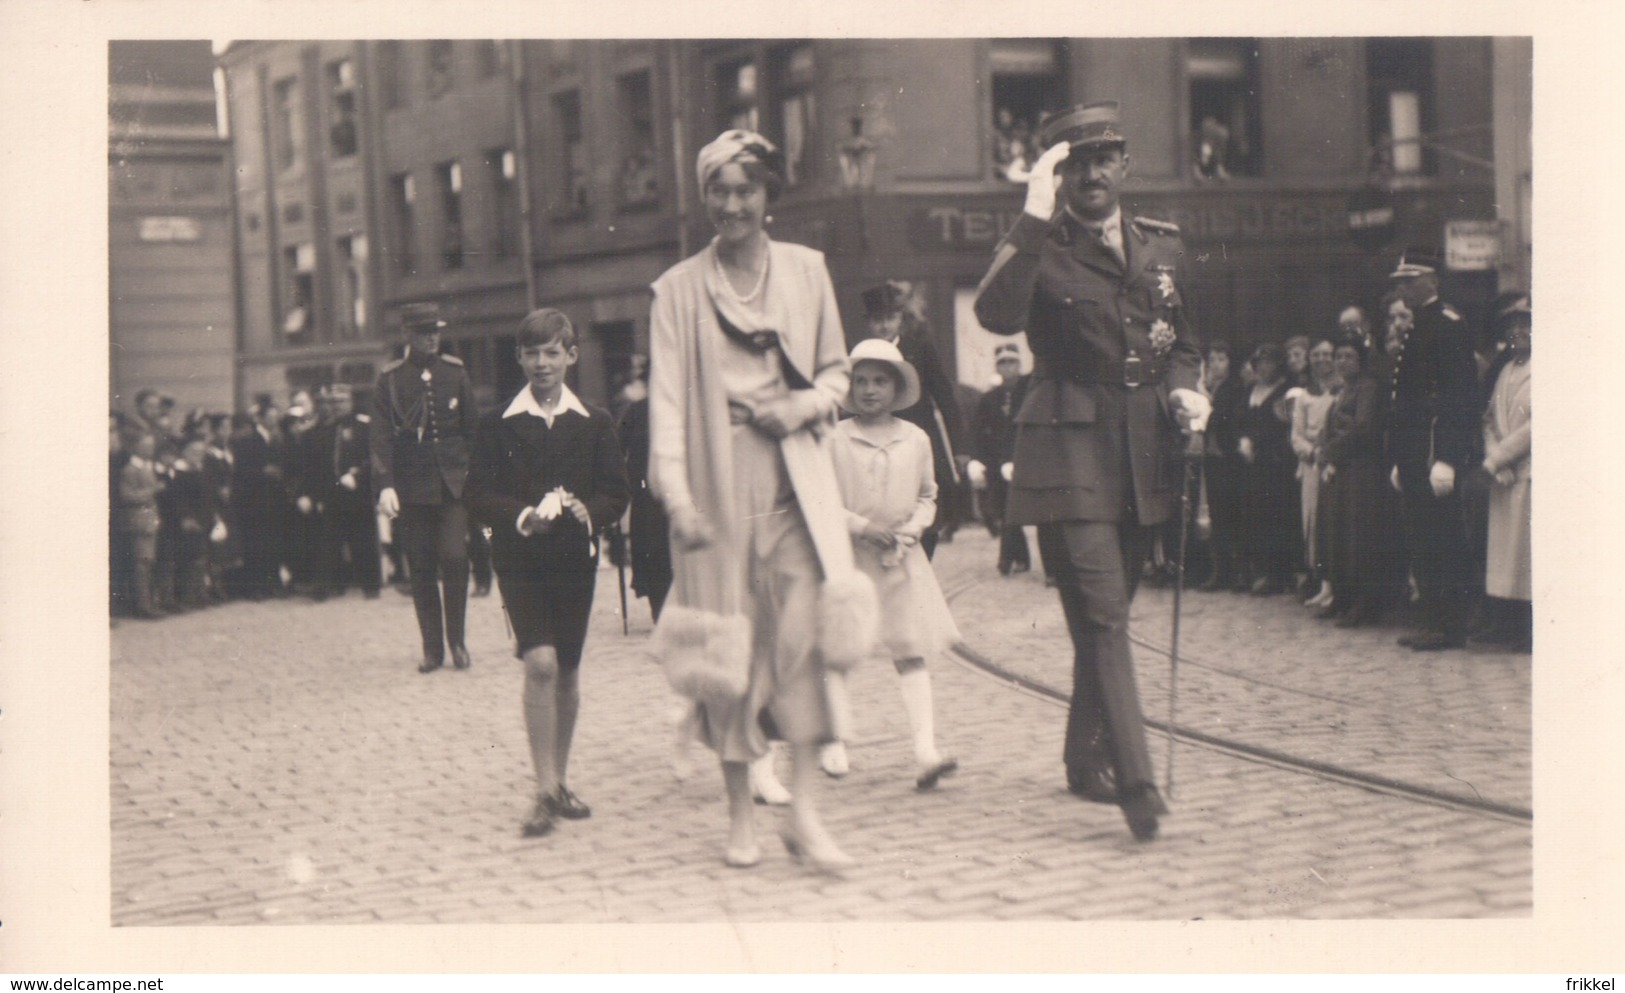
(337, 478)
(995, 442)
(423, 426)
(1432, 426)
(1098, 450)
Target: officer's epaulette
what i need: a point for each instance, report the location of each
(1151, 224)
(454, 360)
(1449, 312)
(396, 364)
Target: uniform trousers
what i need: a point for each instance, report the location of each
(1441, 557)
(1096, 567)
(437, 555)
(1013, 552)
(348, 522)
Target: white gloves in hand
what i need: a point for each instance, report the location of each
(1007, 472)
(1041, 182)
(389, 502)
(1191, 408)
(348, 480)
(304, 504)
(1442, 477)
(977, 473)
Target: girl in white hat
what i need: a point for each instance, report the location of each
(889, 488)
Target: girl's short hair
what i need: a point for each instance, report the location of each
(544, 326)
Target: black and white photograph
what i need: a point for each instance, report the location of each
(842, 480)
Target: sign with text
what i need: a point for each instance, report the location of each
(171, 229)
(1472, 246)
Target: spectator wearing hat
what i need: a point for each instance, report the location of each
(423, 425)
(1269, 486)
(994, 451)
(1508, 574)
(1432, 429)
(891, 318)
(1358, 523)
(257, 499)
(1098, 458)
(339, 474)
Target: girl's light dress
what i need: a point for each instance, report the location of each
(886, 477)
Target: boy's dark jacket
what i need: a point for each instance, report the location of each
(517, 460)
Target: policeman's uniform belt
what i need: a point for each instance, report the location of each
(1130, 372)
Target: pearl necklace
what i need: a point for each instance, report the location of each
(727, 284)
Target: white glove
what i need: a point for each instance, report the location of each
(389, 503)
(1007, 472)
(304, 505)
(551, 506)
(1244, 448)
(977, 473)
(1393, 480)
(1041, 182)
(1442, 477)
(1194, 406)
(218, 533)
(348, 480)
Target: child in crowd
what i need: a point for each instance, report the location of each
(889, 488)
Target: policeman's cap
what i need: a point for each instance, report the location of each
(1511, 308)
(1416, 262)
(1086, 126)
(421, 317)
(1007, 351)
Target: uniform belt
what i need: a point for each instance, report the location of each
(1123, 373)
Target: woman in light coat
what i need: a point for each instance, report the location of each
(1507, 574)
(747, 366)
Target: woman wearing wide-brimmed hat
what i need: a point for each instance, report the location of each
(747, 367)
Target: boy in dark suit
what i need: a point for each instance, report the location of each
(547, 477)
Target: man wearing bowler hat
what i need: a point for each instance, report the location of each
(1432, 426)
(1098, 447)
(422, 430)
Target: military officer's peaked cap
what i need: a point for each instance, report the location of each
(421, 317)
(1416, 262)
(1084, 126)
(1008, 350)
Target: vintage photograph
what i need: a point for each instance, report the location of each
(819, 480)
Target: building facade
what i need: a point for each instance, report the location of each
(493, 176)
(172, 323)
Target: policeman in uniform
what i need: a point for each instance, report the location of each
(339, 480)
(423, 426)
(1432, 425)
(1098, 448)
(995, 449)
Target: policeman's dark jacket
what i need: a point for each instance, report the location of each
(518, 460)
(423, 425)
(1434, 409)
(1090, 323)
(995, 430)
(333, 449)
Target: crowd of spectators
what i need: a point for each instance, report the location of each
(273, 502)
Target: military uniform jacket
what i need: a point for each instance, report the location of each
(423, 425)
(1089, 320)
(330, 451)
(519, 459)
(1433, 413)
(996, 422)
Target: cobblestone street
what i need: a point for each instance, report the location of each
(284, 763)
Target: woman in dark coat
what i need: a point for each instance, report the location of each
(647, 526)
(1269, 486)
(1360, 507)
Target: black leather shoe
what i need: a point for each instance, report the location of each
(1140, 809)
(1094, 785)
(430, 664)
(459, 657)
(541, 819)
(563, 803)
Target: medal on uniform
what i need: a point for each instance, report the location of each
(425, 377)
(1165, 283)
